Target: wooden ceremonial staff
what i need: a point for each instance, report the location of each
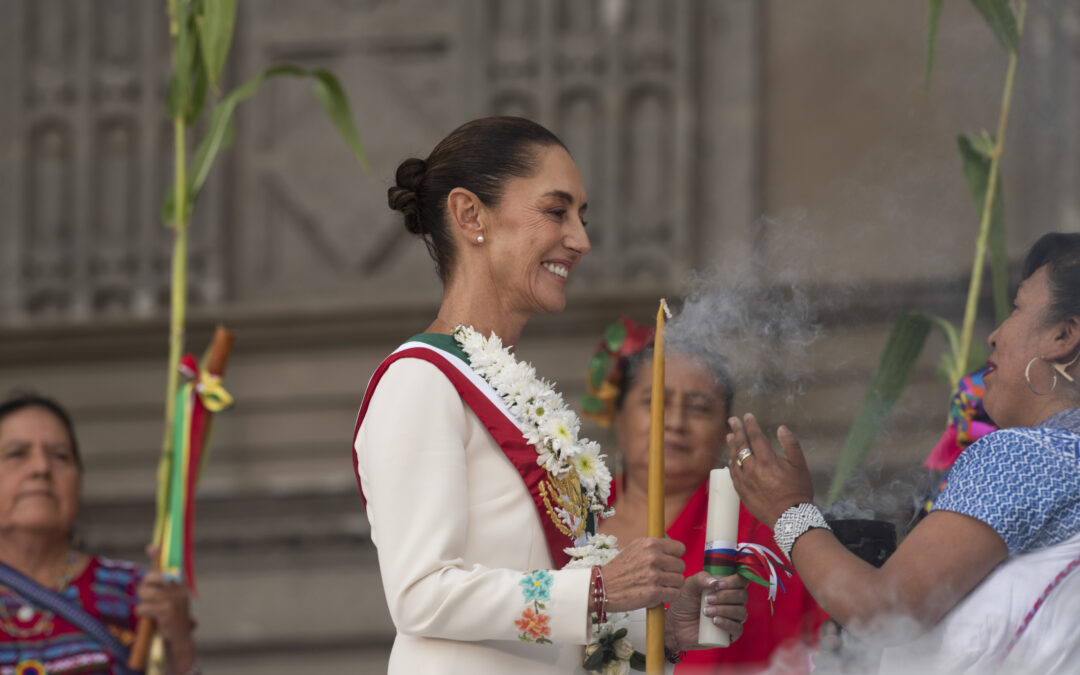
(144, 632)
(654, 627)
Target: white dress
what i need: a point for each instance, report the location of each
(465, 565)
(974, 637)
(1024, 617)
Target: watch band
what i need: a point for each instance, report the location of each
(794, 523)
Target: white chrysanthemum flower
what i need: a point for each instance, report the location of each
(558, 433)
(512, 379)
(603, 482)
(604, 541)
(532, 437)
(546, 458)
(588, 464)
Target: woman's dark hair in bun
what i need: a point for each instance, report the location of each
(479, 156)
(402, 197)
(1060, 253)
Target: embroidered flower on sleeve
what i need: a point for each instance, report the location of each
(534, 624)
(536, 586)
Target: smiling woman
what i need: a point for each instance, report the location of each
(476, 481)
(61, 610)
(987, 582)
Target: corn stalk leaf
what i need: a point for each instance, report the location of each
(999, 16)
(976, 151)
(187, 86)
(215, 22)
(893, 372)
(220, 132)
(933, 20)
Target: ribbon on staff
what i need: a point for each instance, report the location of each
(199, 398)
(753, 562)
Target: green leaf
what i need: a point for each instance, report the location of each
(933, 20)
(198, 94)
(595, 660)
(637, 661)
(888, 382)
(220, 132)
(591, 404)
(946, 368)
(999, 16)
(215, 24)
(976, 151)
(598, 367)
(214, 142)
(336, 103)
(184, 86)
(614, 336)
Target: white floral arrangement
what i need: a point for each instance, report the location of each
(545, 420)
(608, 652)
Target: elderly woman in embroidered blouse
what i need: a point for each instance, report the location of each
(40, 475)
(474, 477)
(987, 581)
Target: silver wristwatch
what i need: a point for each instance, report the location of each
(794, 523)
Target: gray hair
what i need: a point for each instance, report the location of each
(715, 363)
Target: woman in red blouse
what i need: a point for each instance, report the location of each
(699, 391)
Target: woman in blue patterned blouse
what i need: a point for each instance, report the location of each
(989, 581)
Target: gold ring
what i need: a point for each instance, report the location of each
(743, 454)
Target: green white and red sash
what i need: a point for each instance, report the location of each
(443, 352)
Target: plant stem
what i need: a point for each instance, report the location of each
(975, 287)
(178, 297)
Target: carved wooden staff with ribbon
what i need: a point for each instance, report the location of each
(201, 395)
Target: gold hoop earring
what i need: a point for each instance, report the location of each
(1027, 378)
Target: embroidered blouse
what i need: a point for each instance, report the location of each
(1023, 482)
(105, 589)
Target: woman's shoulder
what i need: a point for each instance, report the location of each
(1023, 482)
(1031, 442)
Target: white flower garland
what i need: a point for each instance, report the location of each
(552, 428)
(545, 420)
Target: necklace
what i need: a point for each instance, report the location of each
(15, 626)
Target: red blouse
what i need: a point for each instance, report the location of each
(105, 589)
(786, 636)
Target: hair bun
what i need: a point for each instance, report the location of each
(402, 197)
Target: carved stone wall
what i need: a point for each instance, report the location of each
(87, 159)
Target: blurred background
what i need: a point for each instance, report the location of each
(721, 142)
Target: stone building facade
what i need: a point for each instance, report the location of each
(755, 141)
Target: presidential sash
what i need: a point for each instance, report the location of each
(445, 354)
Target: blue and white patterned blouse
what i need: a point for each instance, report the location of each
(1023, 482)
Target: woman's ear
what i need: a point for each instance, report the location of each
(1066, 348)
(464, 208)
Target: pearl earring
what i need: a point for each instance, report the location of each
(479, 239)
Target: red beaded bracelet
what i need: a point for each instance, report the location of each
(598, 594)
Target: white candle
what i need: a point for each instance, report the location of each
(722, 525)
